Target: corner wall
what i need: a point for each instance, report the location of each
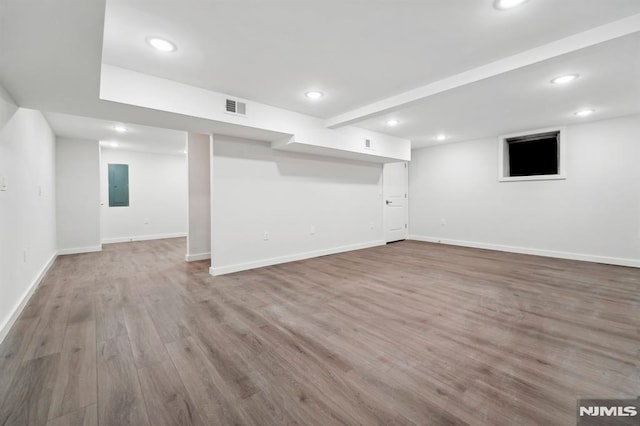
(593, 215)
(157, 197)
(78, 195)
(199, 165)
(27, 206)
(307, 205)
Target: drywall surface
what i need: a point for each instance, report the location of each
(306, 133)
(269, 206)
(157, 197)
(27, 205)
(199, 227)
(78, 195)
(592, 215)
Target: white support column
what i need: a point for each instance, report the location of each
(199, 227)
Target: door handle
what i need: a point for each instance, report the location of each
(388, 202)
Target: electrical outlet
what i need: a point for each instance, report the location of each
(266, 236)
(313, 230)
(3, 183)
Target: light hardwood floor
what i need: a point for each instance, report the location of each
(409, 333)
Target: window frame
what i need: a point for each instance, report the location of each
(503, 156)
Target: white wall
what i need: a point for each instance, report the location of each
(157, 195)
(592, 215)
(78, 195)
(256, 190)
(199, 227)
(27, 207)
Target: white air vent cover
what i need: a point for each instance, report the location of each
(235, 107)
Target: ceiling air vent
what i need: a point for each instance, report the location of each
(235, 107)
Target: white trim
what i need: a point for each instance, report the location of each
(142, 238)
(197, 256)
(79, 250)
(4, 329)
(532, 177)
(619, 261)
(221, 270)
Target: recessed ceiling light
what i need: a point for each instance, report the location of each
(119, 128)
(184, 152)
(441, 137)
(584, 112)
(114, 144)
(507, 4)
(392, 122)
(161, 44)
(564, 79)
(314, 94)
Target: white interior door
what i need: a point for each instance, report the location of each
(395, 185)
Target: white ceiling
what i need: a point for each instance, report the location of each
(356, 51)
(525, 99)
(57, 67)
(136, 138)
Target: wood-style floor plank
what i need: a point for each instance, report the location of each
(76, 384)
(13, 349)
(87, 416)
(39, 300)
(49, 334)
(167, 400)
(406, 334)
(29, 397)
(205, 385)
(82, 306)
(167, 315)
(120, 400)
(109, 309)
(145, 341)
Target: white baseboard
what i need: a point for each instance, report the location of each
(17, 310)
(79, 250)
(536, 252)
(142, 238)
(221, 270)
(197, 256)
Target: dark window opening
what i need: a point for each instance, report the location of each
(533, 155)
